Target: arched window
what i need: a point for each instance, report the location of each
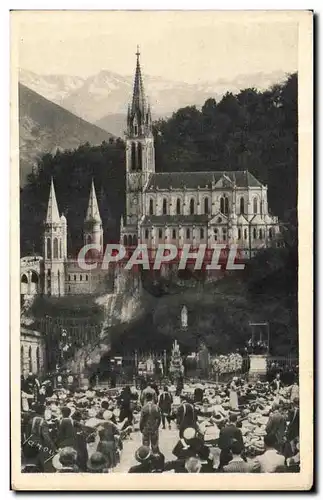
(160, 233)
(133, 156)
(245, 234)
(192, 206)
(130, 240)
(206, 206)
(224, 234)
(146, 234)
(49, 249)
(216, 232)
(74, 277)
(178, 206)
(55, 249)
(139, 156)
(239, 234)
(270, 233)
(87, 277)
(69, 277)
(226, 205)
(222, 205)
(30, 360)
(255, 205)
(37, 360)
(242, 206)
(188, 233)
(151, 206)
(135, 241)
(164, 206)
(81, 277)
(202, 233)
(60, 249)
(254, 233)
(89, 239)
(260, 234)
(125, 240)
(174, 234)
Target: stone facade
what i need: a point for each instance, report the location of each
(32, 352)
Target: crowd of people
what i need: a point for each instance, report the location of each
(234, 427)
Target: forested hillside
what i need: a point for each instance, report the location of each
(252, 130)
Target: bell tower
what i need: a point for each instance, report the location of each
(140, 151)
(55, 247)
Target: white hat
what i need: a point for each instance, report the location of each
(107, 415)
(189, 433)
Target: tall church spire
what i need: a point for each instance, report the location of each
(93, 213)
(52, 209)
(139, 119)
(138, 97)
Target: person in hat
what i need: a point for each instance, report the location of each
(234, 394)
(80, 441)
(198, 394)
(125, 401)
(165, 405)
(37, 432)
(276, 425)
(149, 390)
(109, 435)
(150, 419)
(98, 463)
(66, 431)
(186, 417)
(227, 434)
(144, 457)
(190, 445)
(66, 460)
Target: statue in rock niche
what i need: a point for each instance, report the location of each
(184, 317)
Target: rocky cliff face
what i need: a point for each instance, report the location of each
(120, 309)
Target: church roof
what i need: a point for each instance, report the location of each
(93, 213)
(204, 180)
(174, 219)
(52, 209)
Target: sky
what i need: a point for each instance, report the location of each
(188, 46)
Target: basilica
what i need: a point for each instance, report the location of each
(179, 208)
(188, 207)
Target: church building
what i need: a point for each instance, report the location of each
(188, 207)
(179, 208)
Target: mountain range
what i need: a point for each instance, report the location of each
(103, 98)
(63, 111)
(45, 126)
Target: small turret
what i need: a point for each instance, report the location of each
(93, 232)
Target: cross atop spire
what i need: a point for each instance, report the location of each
(138, 52)
(52, 216)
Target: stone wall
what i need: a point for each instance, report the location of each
(32, 352)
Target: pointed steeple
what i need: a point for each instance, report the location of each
(52, 209)
(93, 213)
(139, 118)
(138, 98)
